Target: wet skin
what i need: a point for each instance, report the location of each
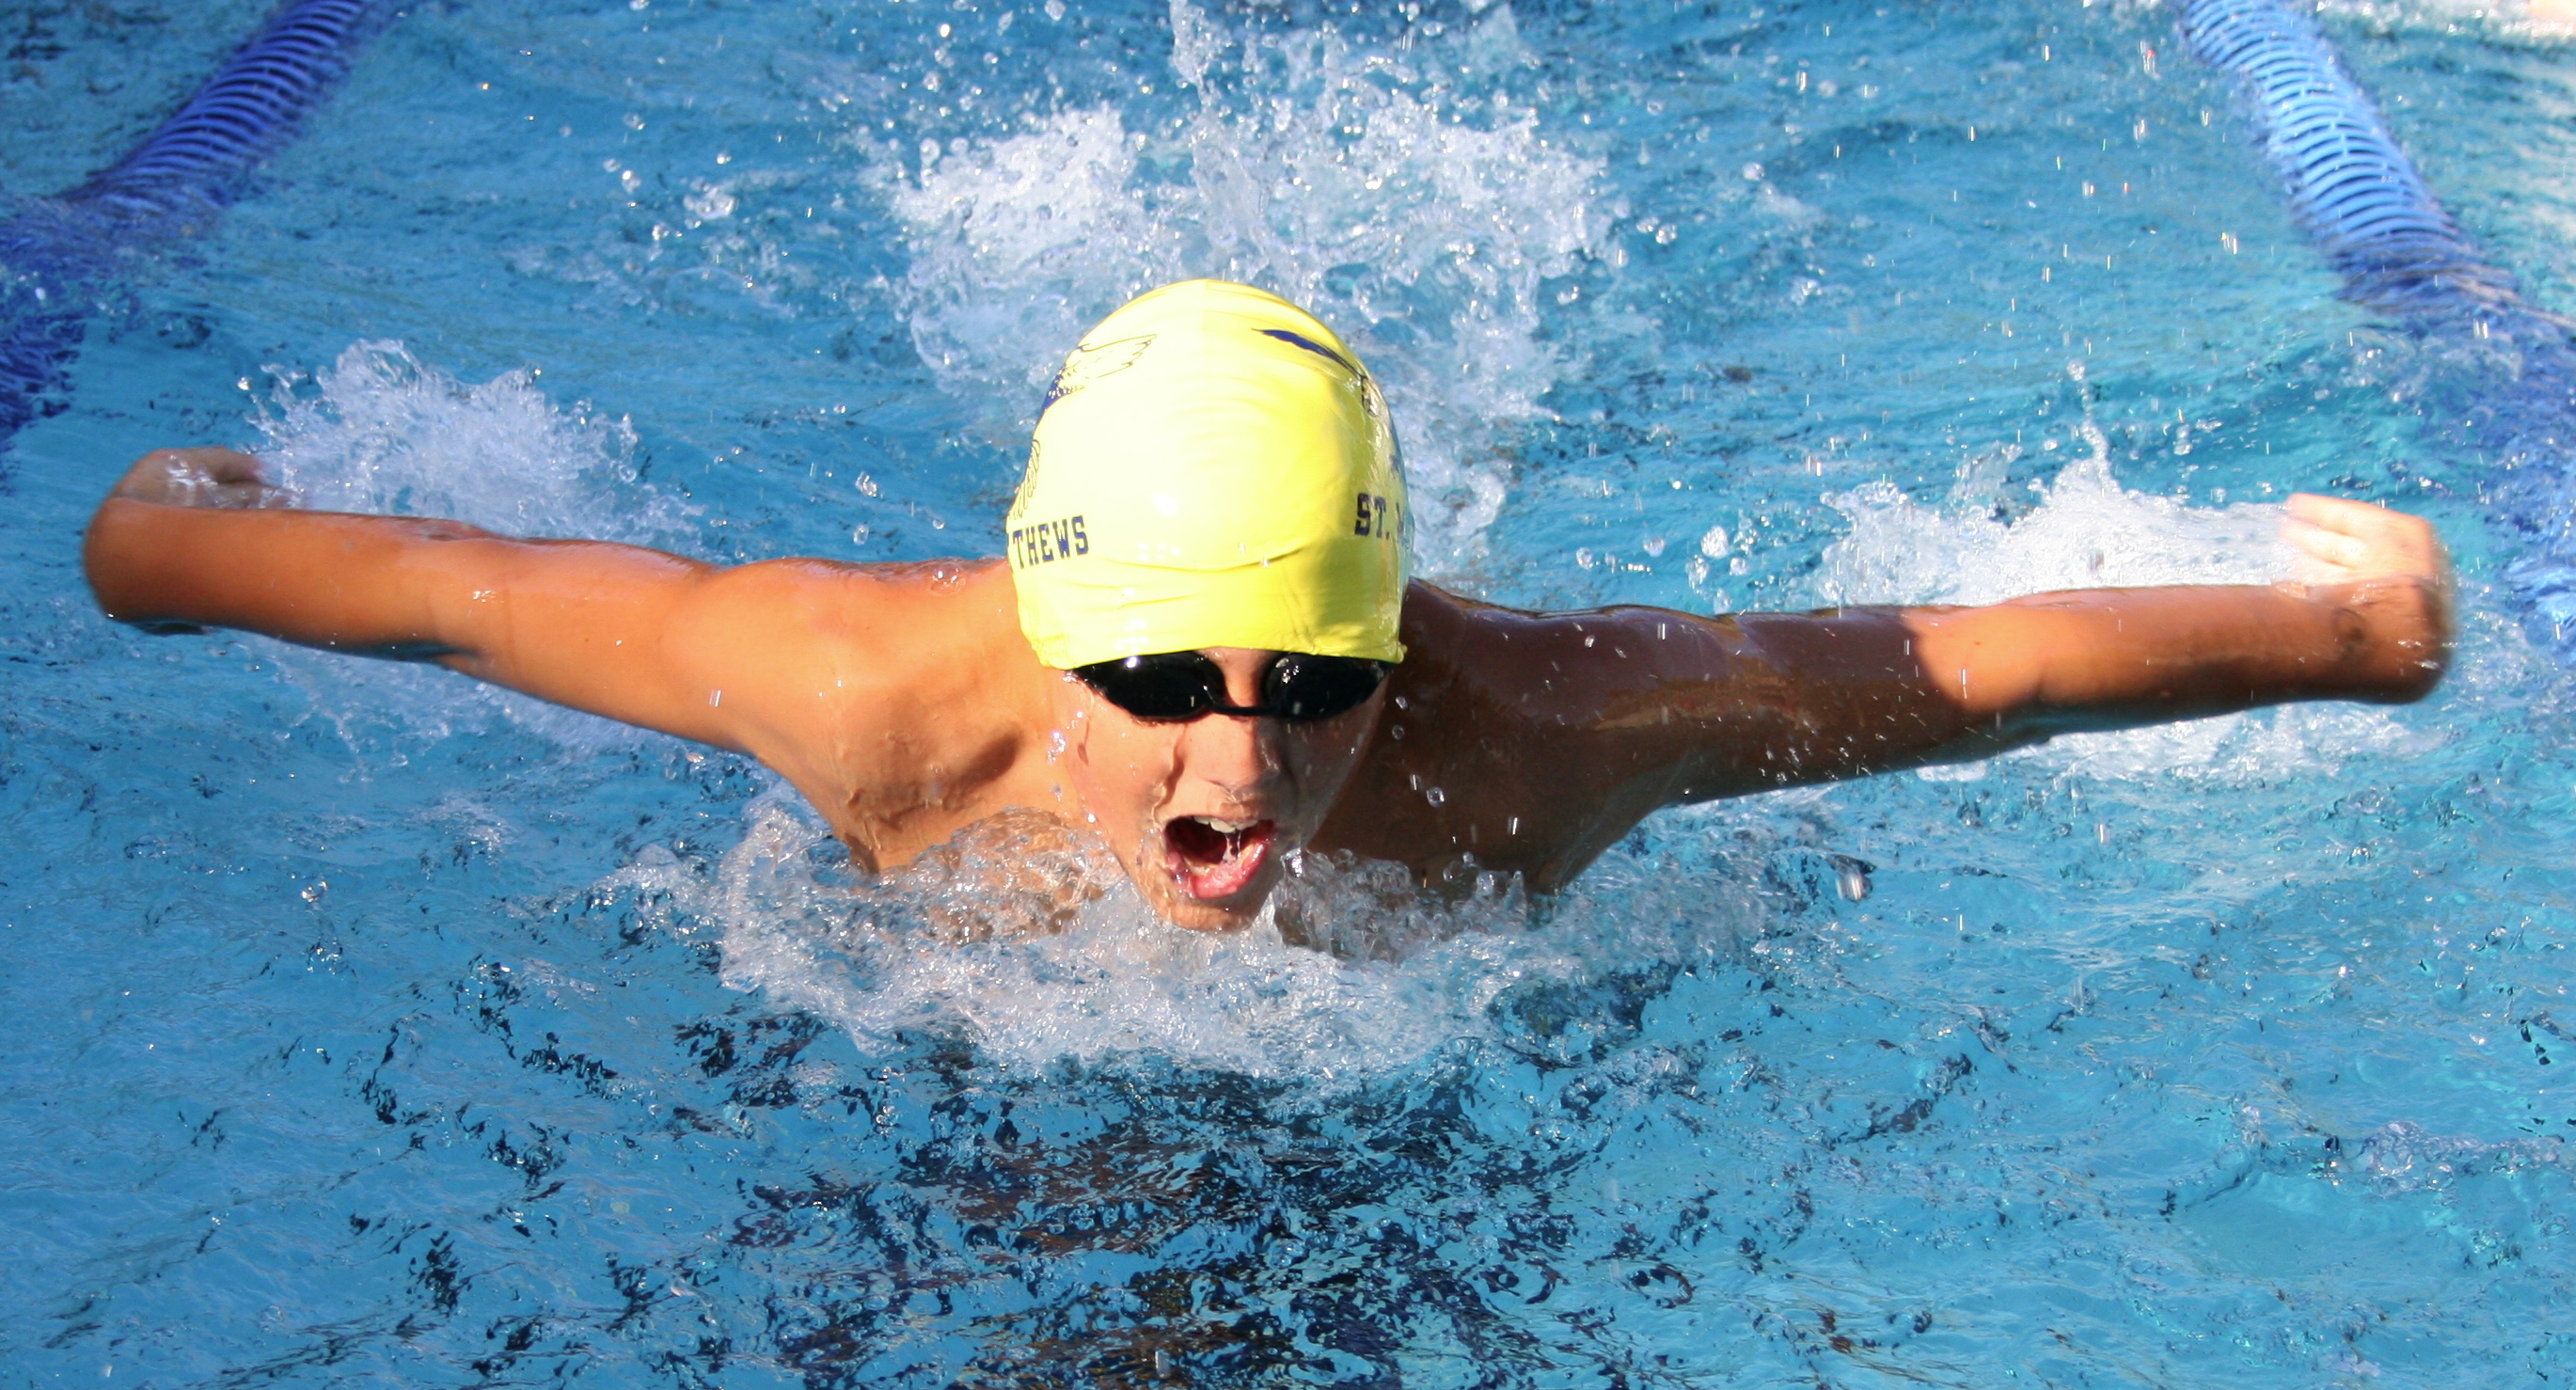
(905, 705)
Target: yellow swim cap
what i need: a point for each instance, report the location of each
(1213, 469)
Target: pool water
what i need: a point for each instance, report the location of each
(373, 1028)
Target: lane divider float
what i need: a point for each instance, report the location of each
(59, 255)
(2352, 188)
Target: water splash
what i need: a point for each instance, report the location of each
(380, 431)
(2087, 532)
(1407, 198)
(983, 939)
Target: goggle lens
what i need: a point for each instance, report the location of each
(1187, 685)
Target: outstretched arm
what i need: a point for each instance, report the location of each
(198, 538)
(1549, 736)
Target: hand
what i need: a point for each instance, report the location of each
(201, 478)
(2392, 570)
(2346, 542)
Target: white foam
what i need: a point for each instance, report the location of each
(379, 431)
(1307, 156)
(890, 957)
(2089, 532)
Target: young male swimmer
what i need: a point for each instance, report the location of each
(1203, 649)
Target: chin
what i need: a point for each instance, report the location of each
(1214, 918)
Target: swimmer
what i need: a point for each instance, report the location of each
(1202, 649)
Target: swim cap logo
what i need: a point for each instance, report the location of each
(1028, 487)
(1291, 336)
(1370, 400)
(1089, 364)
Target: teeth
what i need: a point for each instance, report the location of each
(1228, 827)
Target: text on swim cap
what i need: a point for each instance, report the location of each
(1373, 517)
(1047, 541)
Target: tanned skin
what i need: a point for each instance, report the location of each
(904, 703)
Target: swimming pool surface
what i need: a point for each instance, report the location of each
(370, 1028)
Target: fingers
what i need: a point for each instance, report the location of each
(2336, 549)
(2343, 513)
(2363, 540)
(208, 477)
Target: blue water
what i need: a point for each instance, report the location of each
(371, 1028)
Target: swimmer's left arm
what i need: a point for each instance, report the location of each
(2373, 624)
(1615, 713)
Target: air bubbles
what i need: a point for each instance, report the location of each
(709, 204)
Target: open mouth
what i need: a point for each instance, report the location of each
(1213, 857)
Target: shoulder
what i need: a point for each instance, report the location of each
(1500, 661)
(931, 605)
(901, 700)
(919, 652)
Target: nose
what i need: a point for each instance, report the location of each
(1238, 756)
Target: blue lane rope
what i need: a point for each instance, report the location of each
(2357, 194)
(2349, 183)
(58, 254)
(199, 157)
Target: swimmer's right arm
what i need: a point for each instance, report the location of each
(199, 538)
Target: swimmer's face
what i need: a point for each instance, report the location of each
(1202, 814)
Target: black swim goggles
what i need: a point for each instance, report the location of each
(1298, 687)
